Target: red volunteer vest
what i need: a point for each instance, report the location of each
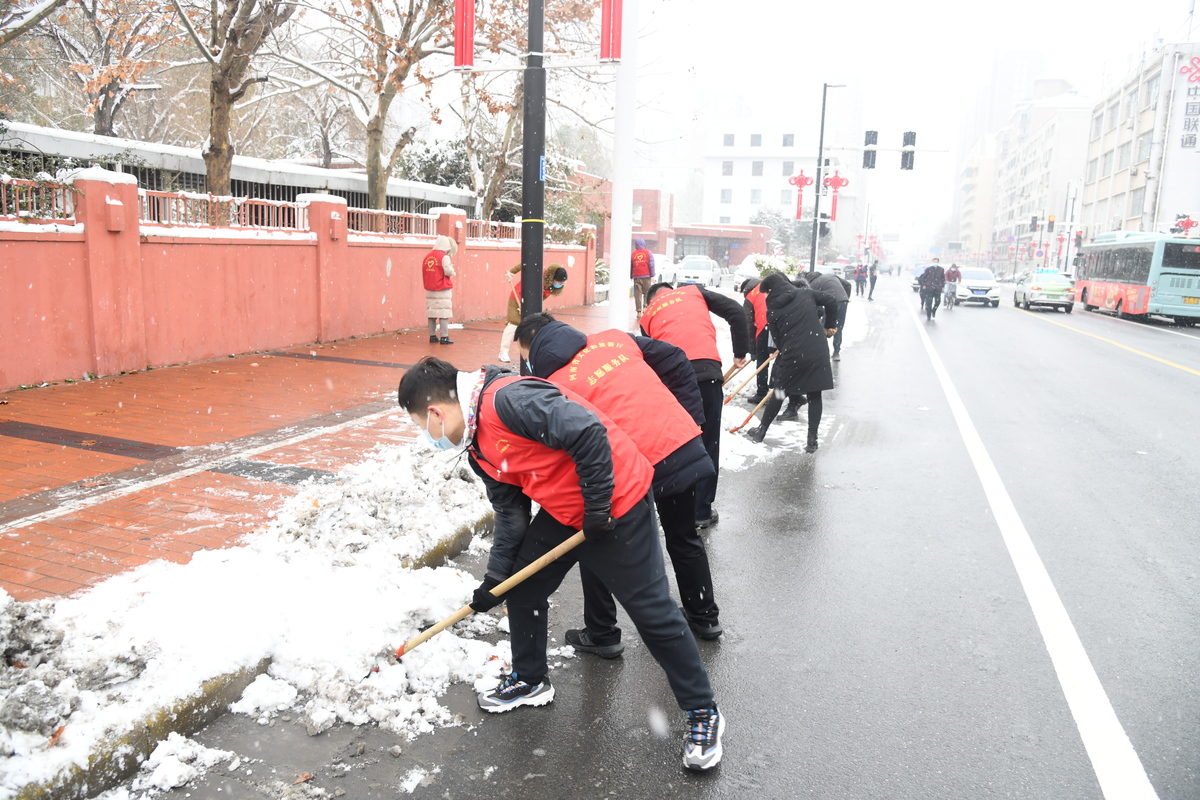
(680, 317)
(548, 476)
(435, 278)
(611, 374)
(640, 263)
(759, 301)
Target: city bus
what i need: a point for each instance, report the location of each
(1135, 274)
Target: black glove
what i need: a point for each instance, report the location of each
(596, 524)
(482, 599)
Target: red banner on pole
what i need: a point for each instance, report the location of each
(610, 30)
(464, 33)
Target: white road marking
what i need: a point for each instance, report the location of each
(1118, 768)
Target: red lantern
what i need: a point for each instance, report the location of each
(800, 181)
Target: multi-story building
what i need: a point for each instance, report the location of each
(975, 194)
(1039, 158)
(1143, 158)
(746, 170)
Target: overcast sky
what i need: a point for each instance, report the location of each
(907, 66)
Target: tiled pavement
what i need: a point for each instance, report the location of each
(102, 476)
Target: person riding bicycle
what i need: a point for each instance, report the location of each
(931, 281)
(953, 278)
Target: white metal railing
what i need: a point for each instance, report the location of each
(396, 223)
(487, 229)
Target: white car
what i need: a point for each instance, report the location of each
(664, 268)
(698, 269)
(978, 285)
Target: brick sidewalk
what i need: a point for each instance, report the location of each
(99, 477)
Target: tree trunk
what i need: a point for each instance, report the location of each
(218, 156)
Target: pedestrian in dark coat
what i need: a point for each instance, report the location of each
(802, 369)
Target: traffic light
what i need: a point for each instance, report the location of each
(1033, 224)
(872, 139)
(1078, 239)
(1050, 224)
(823, 229)
(906, 157)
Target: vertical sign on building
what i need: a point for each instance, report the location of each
(1181, 157)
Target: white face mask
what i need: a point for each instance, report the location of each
(443, 443)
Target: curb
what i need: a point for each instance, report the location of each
(117, 758)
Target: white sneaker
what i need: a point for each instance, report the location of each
(504, 358)
(702, 743)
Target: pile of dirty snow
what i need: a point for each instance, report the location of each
(323, 593)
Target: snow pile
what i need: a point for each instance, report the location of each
(323, 593)
(178, 760)
(739, 453)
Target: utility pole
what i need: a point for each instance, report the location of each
(533, 165)
(816, 233)
(621, 228)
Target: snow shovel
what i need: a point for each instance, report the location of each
(734, 370)
(498, 591)
(752, 377)
(737, 428)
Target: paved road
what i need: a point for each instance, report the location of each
(881, 640)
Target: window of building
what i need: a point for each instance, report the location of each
(1150, 91)
(1117, 205)
(756, 140)
(1137, 201)
(1097, 126)
(1092, 166)
(726, 167)
(785, 197)
(1144, 142)
(727, 195)
(1131, 103)
(1113, 112)
(729, 140)
(789, 140)
(756, 168)
(1106, 164)
(756, 197)
(725, 220)
(637, 215)
(1123, 153)
(788, 168)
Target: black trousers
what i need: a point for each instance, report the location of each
(629, 561)
(762, 351)
(677, 513)
(815, 407)
(872, 292)
(841, 323)
(710, 433)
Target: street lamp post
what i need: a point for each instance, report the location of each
(816, 233)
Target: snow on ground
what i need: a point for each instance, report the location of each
(323, 591)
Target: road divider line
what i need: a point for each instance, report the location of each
(1113, 343)
(1118, 768)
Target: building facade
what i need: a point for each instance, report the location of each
(1143, 157)
(1039, 159)
(976, 186)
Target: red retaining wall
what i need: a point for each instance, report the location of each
(117, 296)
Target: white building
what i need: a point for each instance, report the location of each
(1039, 160)
(1143, 157)
(747, 170)
(976, 188)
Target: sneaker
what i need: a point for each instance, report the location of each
(709, 522)
(514, 692)
(705, 632)
(837, 356)
(445, 340)
(755, 435)
(581, 640)
(702, 742)
(504, 359)
(433, 340)
(756, 398)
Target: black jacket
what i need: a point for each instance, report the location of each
(557, 343)
(830, 284)
(727, 308)
(794, 320)
(537, 410)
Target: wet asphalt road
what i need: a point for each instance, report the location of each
(879, 643)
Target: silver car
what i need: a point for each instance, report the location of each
(1051, 288)
(978, 285)
(698, 269)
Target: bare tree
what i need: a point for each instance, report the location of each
(229, 34)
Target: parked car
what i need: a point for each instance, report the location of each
(698, 269)
(1051, 289)
(978, 285)
(664, 268)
